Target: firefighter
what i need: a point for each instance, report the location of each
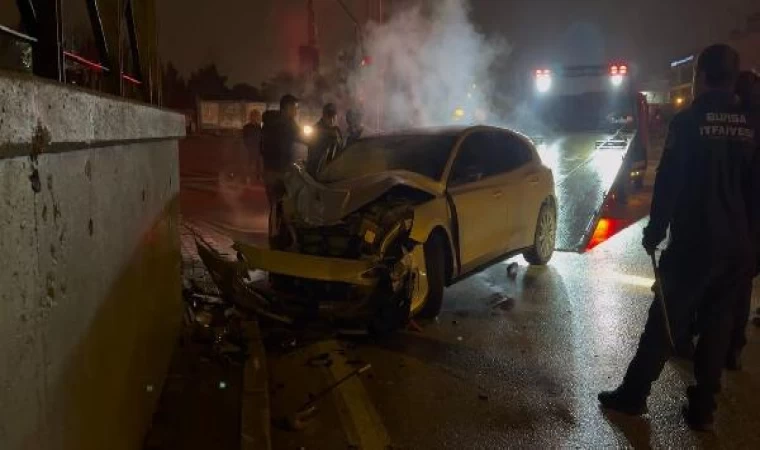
(280, 134)
(328, 140)
(701, 194)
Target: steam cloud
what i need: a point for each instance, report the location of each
(429, 67)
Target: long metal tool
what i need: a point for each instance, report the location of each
(300, 418)
(660, 295)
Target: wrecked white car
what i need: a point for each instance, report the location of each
(397, 217)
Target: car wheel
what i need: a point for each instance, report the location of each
(435, 262)
(545, 236)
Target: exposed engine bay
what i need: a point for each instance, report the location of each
(373, 235)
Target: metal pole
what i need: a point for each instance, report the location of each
(660, 294)
(100, 36)
(382, 84)
(48, 53)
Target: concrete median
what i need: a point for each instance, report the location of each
(90, 276)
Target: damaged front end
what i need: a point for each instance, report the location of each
(350, 258)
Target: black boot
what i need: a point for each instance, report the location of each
(699, 412)
(623, 401)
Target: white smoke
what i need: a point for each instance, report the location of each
(429, 67)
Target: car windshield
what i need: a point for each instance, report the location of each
(594, 111)
(424, 154)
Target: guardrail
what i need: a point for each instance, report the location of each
(42, 23)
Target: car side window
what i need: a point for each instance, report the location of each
(515, 151)
(471, 164)
(488, 153)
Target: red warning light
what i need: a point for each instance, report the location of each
(623, 70)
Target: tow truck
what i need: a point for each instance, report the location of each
(600, 102)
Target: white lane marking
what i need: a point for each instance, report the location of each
(361, 420)
(632, 280)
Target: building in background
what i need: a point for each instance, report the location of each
(746, 41)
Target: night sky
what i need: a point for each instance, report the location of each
(252, 39)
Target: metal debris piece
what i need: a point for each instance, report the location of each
(204, 318)
(414, 326)
(321, 360)
(289, 343)
(208, 299)
(505, 304)
(299, 420)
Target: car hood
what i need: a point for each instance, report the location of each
(316, 204)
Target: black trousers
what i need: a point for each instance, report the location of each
(691, 284)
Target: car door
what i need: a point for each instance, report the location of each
(476, 188)
(522, 187)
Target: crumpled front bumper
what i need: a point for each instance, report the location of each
(310, 267)
(370, 280)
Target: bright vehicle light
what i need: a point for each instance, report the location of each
(459, 112)
(308, 130)
(617, 80)
(679, 101)
(543, 82)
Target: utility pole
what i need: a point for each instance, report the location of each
(309, 53)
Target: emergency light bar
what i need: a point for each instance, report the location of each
(615, 72)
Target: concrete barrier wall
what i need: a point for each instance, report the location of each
(89, 265)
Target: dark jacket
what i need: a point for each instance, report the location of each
(278, 140)
(328, 141)
(704, 188)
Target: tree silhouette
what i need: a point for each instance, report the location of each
(208, 83)
(176, 93)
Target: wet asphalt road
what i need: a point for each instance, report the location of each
(582, 177)
(511, 364)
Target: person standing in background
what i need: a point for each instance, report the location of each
(328, 141)
(252, 142)
(280, 134)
